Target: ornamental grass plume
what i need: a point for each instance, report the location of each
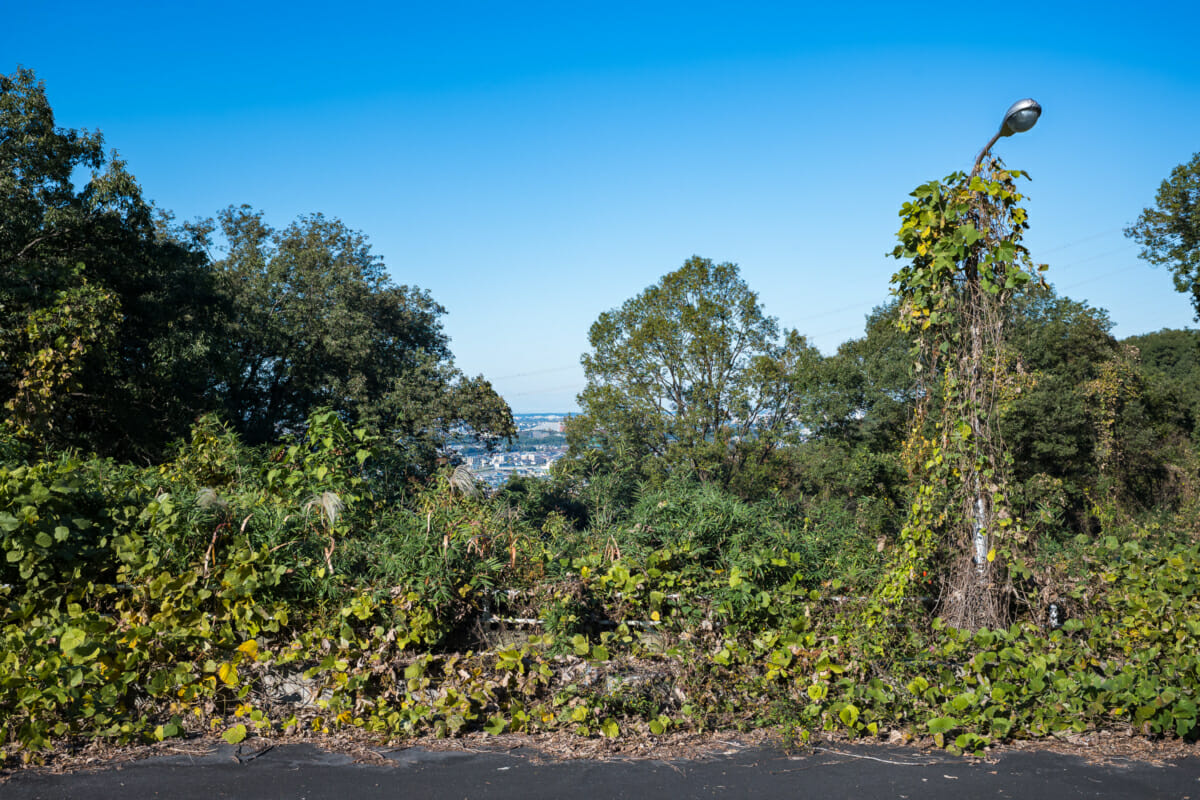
(462, 482)
(330, 507)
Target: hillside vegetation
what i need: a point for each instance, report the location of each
(227, 505)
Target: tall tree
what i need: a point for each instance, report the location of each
(691, 374)
(867, 392)
(106, 338)
(1090, 418)
(1169, 232)
(316, 321)
(1047, 423)
(1166, 430)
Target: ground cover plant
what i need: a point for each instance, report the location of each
(140, 605)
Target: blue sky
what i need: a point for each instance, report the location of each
(535, 164)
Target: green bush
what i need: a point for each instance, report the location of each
(701, 514)
(144, 603)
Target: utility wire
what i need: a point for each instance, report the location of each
(1093, 237)
(536, 372)
(547, 390)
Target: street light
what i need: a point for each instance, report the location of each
(1020, 117)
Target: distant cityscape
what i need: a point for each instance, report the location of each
(540, 443)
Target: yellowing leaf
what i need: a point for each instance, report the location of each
(991, 556)
(250, 648)
(228, 674)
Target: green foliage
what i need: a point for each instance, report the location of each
(699, 562)
(448, 548)
(55, 343)
(866, 393)
(170, 610)
(541, 502)
(51, 529)
(1171, 354)
(938, 235)
(315, 321)
(1169, 232)
(116, 329)
(689, 375)
(329, 457)
(702, 515)
(106, 334)
(962, 240)
(1048, 419)
(1170, 361)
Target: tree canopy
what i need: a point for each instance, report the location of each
(1169, 231)
(107, 336)
(691, 374)
(118, 328)
(314, 320)
(867, 391)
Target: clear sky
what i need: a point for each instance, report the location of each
(532, 164)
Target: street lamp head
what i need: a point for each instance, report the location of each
(1020, 117)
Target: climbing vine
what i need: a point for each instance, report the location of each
(961, 238)
(55, 342)
(1115, 385)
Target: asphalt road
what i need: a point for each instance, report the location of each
(303, 772)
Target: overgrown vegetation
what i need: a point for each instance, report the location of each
(270, 546)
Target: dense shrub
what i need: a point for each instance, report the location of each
(145, 603)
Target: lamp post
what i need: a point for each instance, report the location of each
(1020, 117)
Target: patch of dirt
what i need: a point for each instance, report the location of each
(1108, 747)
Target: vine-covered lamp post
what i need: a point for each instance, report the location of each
(1020, 117)
(961, 239)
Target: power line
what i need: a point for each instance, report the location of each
(1105, 254)
(545, 371)
(1055, 249)
(833, 311)
(1102, 275)
(1085, 239)
(547, 390)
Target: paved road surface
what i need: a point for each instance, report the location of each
(303, 772)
